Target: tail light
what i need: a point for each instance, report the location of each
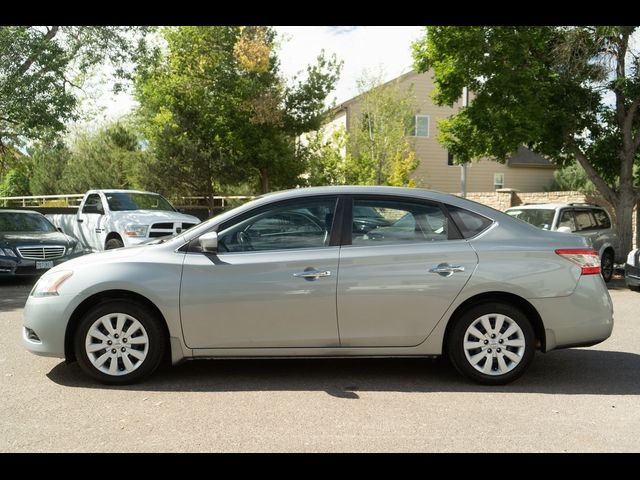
(588, 260)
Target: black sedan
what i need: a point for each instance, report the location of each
(30, 244)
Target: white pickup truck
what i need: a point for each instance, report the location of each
(109, 219)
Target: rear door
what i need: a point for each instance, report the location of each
(401, 266)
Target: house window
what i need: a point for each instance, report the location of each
(421, 126)
(498, 180)
(450, 159)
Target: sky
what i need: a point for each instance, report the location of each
(374, 48)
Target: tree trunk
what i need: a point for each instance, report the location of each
(624, 212)
(264, 180)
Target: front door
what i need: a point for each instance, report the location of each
(271, 284)
(91, 219)
(404, 268)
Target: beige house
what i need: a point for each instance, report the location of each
(525, 171)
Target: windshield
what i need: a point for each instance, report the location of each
(538, 217)
(137, 201)
(24, 222)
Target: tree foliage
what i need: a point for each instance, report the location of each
(108, 158)
(569, 93)
(571, 178)
(217, 111)
(42, 69)
(380, 151)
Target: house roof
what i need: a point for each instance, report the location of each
(526, 158)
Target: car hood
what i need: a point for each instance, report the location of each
(34, 238)
(153, 216)
(99, 258)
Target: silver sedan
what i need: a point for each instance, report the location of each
(328, 272)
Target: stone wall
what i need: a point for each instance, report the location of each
(504, 198)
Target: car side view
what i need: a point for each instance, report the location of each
(328, 272)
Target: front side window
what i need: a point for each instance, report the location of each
(389, 221)
(304, 224)
(93, 204)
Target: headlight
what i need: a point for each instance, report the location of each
(8, 252)
(49, 284)
(134, 230)
(78, 248)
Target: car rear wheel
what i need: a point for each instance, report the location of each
(119, 342)
(606, 265)
(492, 343)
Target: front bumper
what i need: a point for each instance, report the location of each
(632, 275)
(47, 318)
(10, 266)
(583, 318)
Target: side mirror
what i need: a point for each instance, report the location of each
(209, 242)
(59, 229)
(564, 230)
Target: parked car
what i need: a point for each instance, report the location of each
(30, 244)
(464, 280)
(110, 219)
(589, 221)
(632, 270)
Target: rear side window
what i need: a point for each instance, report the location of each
(584, 220)
(469, 223)
(602, 219)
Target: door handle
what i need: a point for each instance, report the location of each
(80, 220)
(446, 270)
(312, 274)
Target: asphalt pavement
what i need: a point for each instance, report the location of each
(574, 400)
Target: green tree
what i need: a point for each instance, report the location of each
(16, 182)
(48, 162)
(42, 68)
(108, 158)
(325, 158)
(570, 93)
(571, 178)
(379, 150)
(217, 112)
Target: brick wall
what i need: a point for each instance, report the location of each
(504, 198)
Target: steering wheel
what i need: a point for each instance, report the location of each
(244, 241)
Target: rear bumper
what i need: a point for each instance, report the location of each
(583, 318)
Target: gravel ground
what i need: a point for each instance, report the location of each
(576, 400)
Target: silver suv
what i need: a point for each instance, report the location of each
(590, 221)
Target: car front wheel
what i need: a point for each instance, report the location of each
(119, 342)
(492, 343)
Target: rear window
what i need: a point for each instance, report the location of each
(469, 223)
(538, 217)
(584, 220)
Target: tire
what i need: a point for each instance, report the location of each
(504, 367)
(606, 265)
(634, 288)
(137, 342)
(113, 243)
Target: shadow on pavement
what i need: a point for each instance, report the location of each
(14, 292)
(572, 371)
